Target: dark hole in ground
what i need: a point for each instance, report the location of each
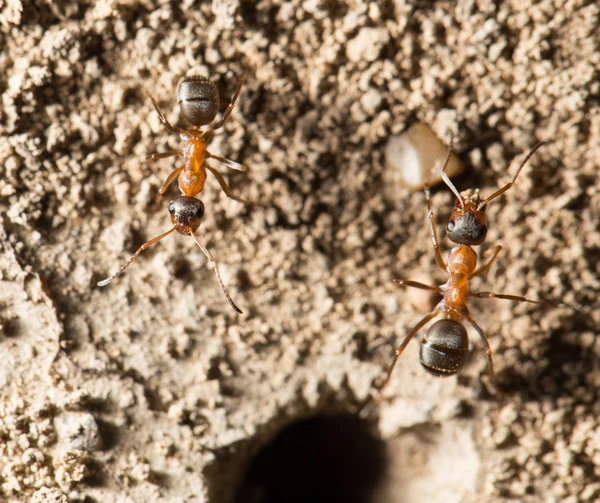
(325, 459)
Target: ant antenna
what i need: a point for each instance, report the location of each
(216, 269)
(510, 184)
(445, 176)
(106, 281)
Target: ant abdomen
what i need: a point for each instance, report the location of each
(445, 348)
(198, 99)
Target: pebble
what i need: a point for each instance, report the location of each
(367, 45)
(416, 157)
(78, 431)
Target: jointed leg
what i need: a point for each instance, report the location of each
(399, 351)
(228, 162)
(487, 263)
(416, 284)
(234, 98)
(434, 233)
(162, 155)
(216, 269)
(224, 185)
(518, 298)
(163, 119)
(106, 281)
(488, 348)
(170, 179)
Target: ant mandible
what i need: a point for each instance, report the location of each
(199, 102)
(445, 347)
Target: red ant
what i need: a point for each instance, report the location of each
(199, 102)
(445, 347)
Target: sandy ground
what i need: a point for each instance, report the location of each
(160, 392)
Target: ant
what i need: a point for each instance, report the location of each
(199, 101)
(445, 347)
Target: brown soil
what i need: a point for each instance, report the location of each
(160, 392)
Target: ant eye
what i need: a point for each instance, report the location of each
(484, 230)
(171, 208)
(451, 225)
(200, 213)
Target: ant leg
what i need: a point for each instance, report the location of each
(227, 113)
(106, 281)
(518, 298)
(169, 180)
(224, 185)
(163, 119)
(416, 284)
(216, 269)
(488, 348)
(490, 259)
(228, 162)
(399, 351)
(162, 155)
(502, 190)
(434, 233)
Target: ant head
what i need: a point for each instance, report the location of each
(468, 223)
(186, 213)
(198, 99)
(445, 348)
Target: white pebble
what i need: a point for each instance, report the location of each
(78, 431)
(416, 157)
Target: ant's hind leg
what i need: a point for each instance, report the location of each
(399, 351)
(163, 119)
(236, 94)
(492, 255)
(488, 348)
(434, 233)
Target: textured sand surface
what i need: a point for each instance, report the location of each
(160, 392)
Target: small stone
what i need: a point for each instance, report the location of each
(78, 431)
(370, 101)
(367, 45)
(49, 495)
(416, 157)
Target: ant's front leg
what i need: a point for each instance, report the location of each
(169, 180)
(492, 254)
